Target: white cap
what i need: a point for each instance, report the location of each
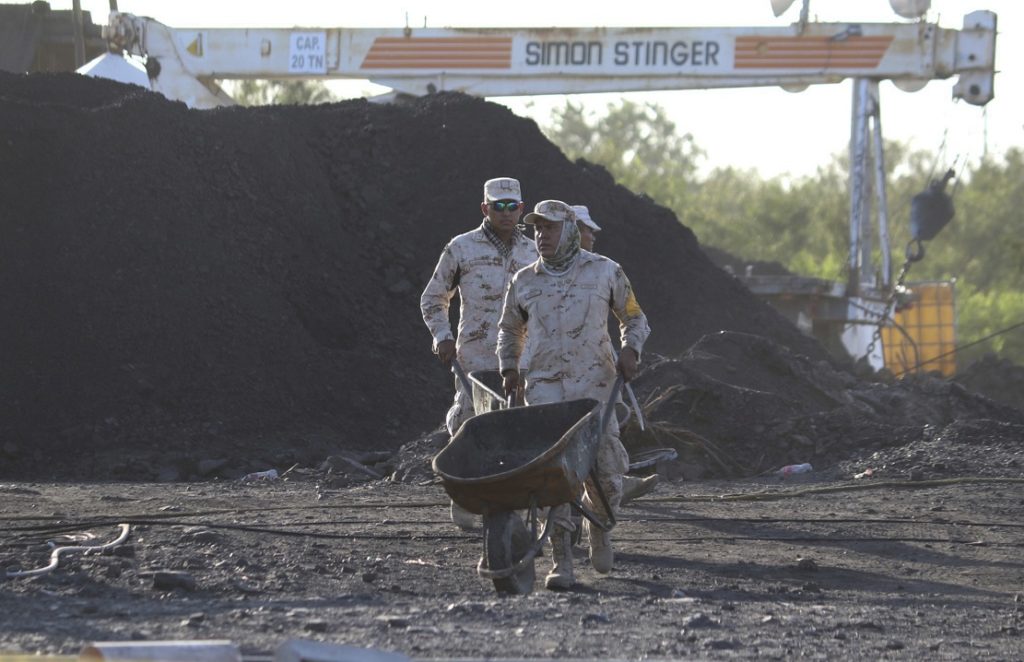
(553, 210)
(583, 215)
(502, 188)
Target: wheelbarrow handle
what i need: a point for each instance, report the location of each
(632, 399)
(461, 375)
(609, 407)
(636, 406)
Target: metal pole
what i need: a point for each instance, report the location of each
(77, 26)
(880, 187)
(858, 184)
(867, 257)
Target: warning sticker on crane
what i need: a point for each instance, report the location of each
(195, 47)
(307, 53)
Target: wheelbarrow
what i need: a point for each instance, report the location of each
(486, 387)
(514, 459)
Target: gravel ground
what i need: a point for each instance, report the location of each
(814, 566)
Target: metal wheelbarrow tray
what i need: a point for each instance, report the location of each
(512, 459)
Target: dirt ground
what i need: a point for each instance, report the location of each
(819, 566)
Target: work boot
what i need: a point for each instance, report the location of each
(464, 519)
(560, 577)
(601, 554)
(633, 487)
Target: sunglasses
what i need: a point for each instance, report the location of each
(506, 205)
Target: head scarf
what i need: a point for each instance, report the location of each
(567, 251)
(492, 236)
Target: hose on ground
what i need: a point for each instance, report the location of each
(59, 551)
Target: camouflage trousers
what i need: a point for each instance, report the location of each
(612, 464)
(461, 409)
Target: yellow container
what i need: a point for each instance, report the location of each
(922, 337)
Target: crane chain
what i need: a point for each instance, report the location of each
(890, 300)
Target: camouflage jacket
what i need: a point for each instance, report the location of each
(566, 319)
(473, 265)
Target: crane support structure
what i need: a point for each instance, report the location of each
(186, 63)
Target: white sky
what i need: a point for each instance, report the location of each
(773, 131)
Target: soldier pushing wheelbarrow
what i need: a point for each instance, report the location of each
(562, 302)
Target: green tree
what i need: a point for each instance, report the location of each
(800, 225)
(280, 92)
(730, 209)
(636, 143)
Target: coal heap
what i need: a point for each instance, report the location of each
(737, 404)
(240, 286)
(998, 378)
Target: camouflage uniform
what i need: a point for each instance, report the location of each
(566, 320)
(475, 266)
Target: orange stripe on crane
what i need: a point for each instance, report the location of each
(810, 52)
(434, 64)
(492, 41)
(438, 52)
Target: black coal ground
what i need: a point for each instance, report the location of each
(813, 566)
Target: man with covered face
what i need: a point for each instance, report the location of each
(561, 302)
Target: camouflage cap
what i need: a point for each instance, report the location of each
(502, 188)
(553, 210)
(583, 216)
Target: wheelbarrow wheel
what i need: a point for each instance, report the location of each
(506, 541)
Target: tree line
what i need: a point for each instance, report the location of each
(803, 224)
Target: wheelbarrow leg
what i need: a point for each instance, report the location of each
(506, 542)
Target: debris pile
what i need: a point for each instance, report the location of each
(741, 405)
(999, 379)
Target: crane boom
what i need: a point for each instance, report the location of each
(497, 62)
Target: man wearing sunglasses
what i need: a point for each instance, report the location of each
(479, 265)
(632, 487)
(561, 303)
